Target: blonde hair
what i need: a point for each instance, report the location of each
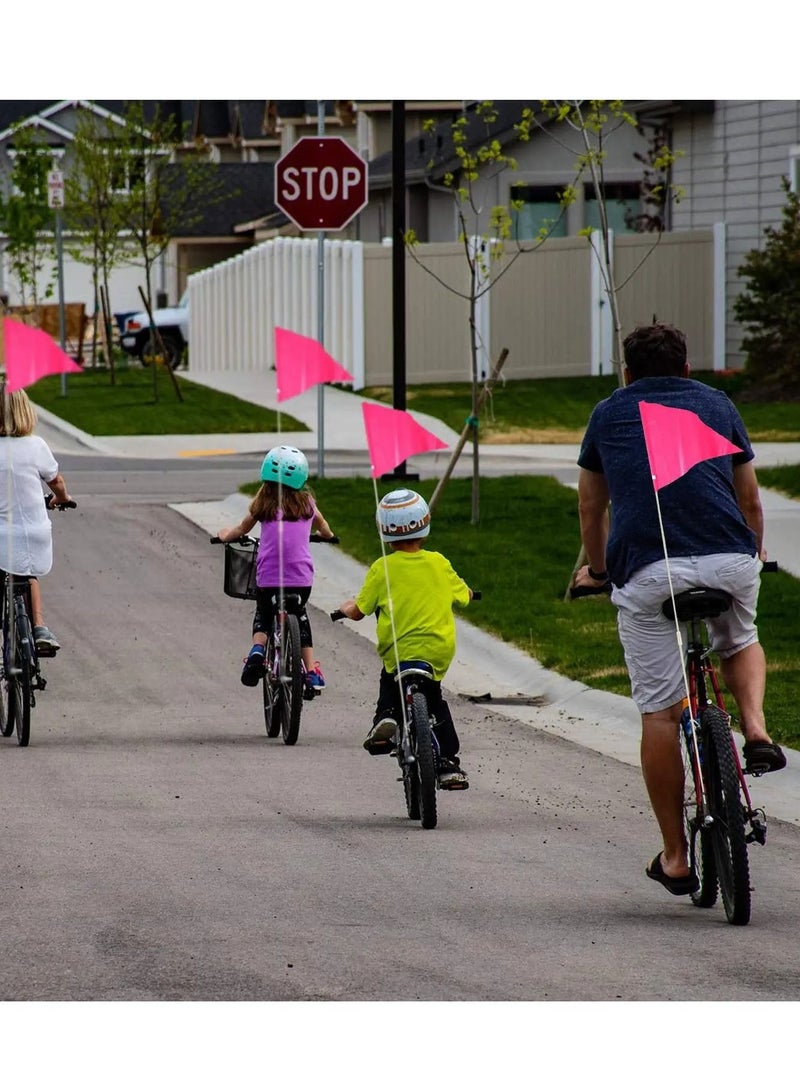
(17, 415)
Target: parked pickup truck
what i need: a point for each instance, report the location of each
(172, 324)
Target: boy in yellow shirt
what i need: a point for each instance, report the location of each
(424, 587)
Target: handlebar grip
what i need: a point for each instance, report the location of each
(215, 540)
(769, 566)
(337, 615)
(61, 507)
(318, 538)
(477, 594)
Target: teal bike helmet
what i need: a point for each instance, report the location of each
(403, 515)
(286, 466)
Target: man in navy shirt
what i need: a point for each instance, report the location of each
(713, 528)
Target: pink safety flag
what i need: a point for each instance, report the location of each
(676, 440)
(301, 362)
(31, 354)
(393, 436)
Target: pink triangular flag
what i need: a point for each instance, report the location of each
(676, 440)
(31, 354)
(301, 362)
(393, 435)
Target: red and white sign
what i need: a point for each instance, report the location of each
(55, 189)
(321, 183)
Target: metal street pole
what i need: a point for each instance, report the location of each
(321, 318)
(61, 321)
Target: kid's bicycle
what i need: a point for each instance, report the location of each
(284, 686)
(20, 672)
(417, 749)
(719, 817)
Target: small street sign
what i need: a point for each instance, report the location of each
(55, 189)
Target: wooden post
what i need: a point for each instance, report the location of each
(485, 391)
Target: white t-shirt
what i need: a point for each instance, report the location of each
(26, 536)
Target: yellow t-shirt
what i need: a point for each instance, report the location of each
(424, 588)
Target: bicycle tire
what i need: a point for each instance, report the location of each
(701, 847)
(272, 695)
(426, 763)
(410, 787)
(6, 723)
(291, 685)
(19, 700)
(728, 831)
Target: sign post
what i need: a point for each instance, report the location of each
(321, 184)
(55, 200)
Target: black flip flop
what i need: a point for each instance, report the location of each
(686, 884)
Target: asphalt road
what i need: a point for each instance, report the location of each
(158, 846)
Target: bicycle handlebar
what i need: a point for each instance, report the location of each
(318, 538)
(337, 615)
(769, 566)
(245, 539)
(48, 503)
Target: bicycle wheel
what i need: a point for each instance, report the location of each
(701, 847)
(410, 785)
(728, 833)
(19, 700)
(426, 764)
(291, 681)
(272, 696)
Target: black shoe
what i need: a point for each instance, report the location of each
(253, 669)
(381, 738)
(451, 775)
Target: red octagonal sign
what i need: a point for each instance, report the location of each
(321, 183)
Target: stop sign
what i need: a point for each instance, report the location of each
(321, 183)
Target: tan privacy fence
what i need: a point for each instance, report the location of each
(548, 308)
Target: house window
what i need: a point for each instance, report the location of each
(794, 168)
(126, 172)
(623, 204)
(541, 211)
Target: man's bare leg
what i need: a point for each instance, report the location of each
(745, 675)
(662, 767)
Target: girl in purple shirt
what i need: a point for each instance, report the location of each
(288, 515)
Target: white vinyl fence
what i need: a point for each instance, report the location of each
(549, 309)
(235, 306)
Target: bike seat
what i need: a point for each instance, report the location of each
(291, 602)
(415, 666)
(697, 603)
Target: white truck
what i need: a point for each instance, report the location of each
(172, 324)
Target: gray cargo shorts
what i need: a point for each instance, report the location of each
(649, 639)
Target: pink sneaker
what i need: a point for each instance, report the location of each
(315, 678)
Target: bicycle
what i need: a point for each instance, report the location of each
(417, 749)
(719, 816)
(284, 686)
(20, 672)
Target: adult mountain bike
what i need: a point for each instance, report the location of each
(719, 816)
(284, 686)
(20, 671)
(417, 750)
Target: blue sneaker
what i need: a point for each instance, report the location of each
(315, 678)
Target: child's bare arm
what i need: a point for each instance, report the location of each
(349, 609)
(230, 534)
(321, 526)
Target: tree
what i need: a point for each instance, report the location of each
(491, 237)
(165, 194)
(25, 217)
(92, 207)
(769, 308)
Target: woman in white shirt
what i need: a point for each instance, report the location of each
(26, 538)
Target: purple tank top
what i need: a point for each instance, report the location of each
(284, 556)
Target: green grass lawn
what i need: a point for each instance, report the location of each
(130, 408)
(521, 557)
(785, 479)
(556, 410)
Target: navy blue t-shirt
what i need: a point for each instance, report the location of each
(699, 510)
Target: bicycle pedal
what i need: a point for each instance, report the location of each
(309, 693)
(46, 653)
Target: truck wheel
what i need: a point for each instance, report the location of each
(173, 351)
